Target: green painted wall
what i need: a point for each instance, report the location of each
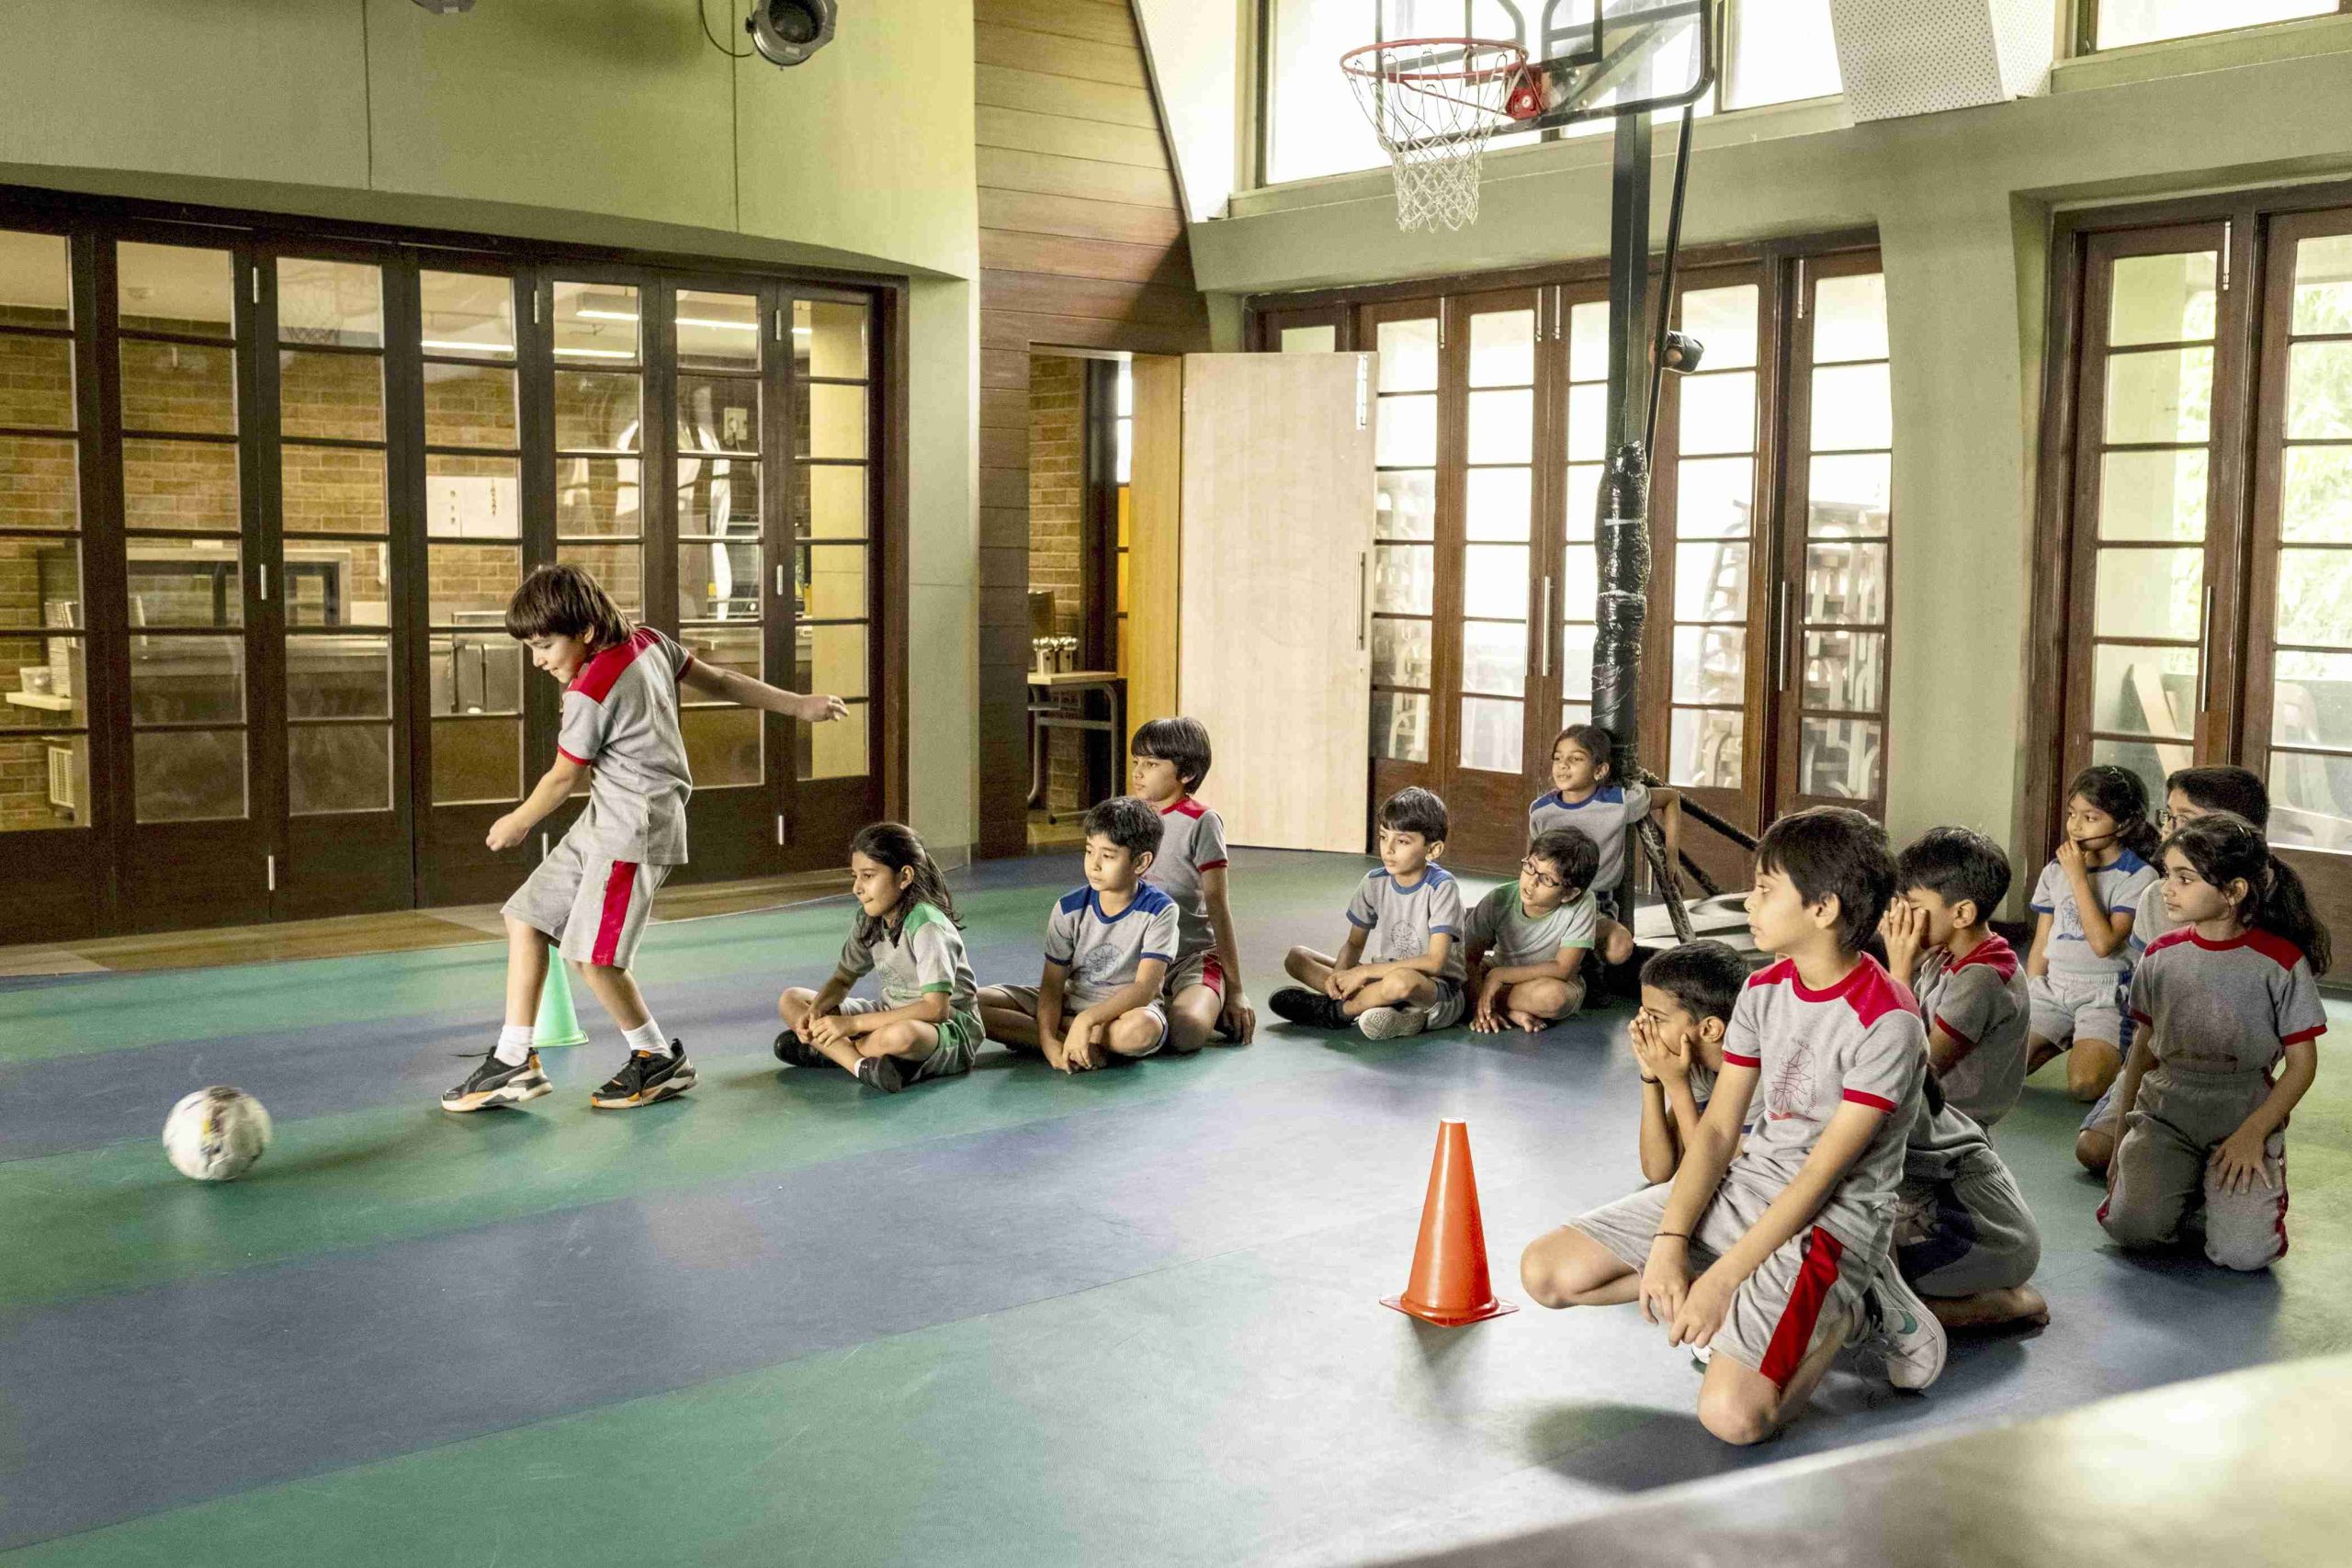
(1962, 202)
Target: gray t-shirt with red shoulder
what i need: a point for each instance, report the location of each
(1857, 1042)
(620, 720)
(2217, 1008)
(1191, 843)
(1980, 999)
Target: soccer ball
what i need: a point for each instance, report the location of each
(215, 1135)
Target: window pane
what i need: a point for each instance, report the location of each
(718, 581)
(1314, 126)
(35, 286)
(175, 388)
(339, 584)
(1713, 497)
(1724, 320)
(1492, 731)
(40, 583)
(736, 648)
(599, 495)
(1703, 748)
(1779, 53)
(2144, 690)
(2150, 594)
(1579, 582)
(469, 584)
(1584, 500)
(719, 332)
(1849, 318)
(1575, 713)
(36, 382)
(334, 303)
(1405, 505)
(1403, 579)
(2310, 801)
(2157, 495)
(185, 582)
(1494, 581)
(598, 410)
(835, 750)
(832, 583)
(719, 413)
(1503, 348)
(2319, 390)
(188, 775)
(2160, 395)
(337, 396)
(1845, 585)
(1401, 725)
(1494, 658)
(331, 490)
(2166, 298)
(1711, 582)
(467, 315)
(1718, 414)
(833, 661)
(619, 568)
(1407, 437)
(1502, 427)
(1839, 758)
(172, 288)
(473, 498)
(469, 405)
(832, 421)
(47, 683)
(830, 501)
(2151, 761)
(180, 484)
(1400, 652)
(39, 483)
(2315, 597)
(338, 677)
(1710, 664)
(187, 680)
(1852, 408)
(1500, 504)
(476, 672)
(477, 760)
(828, 339)
(1588, 341)
(1310, 339)
(721, 495)
(2312, 703)
(1408, 355)
(2316, 505)
(723, 744)
(595, 321)
(1847, 497)
(48, 783)
(338, 767)
(2324, 284)
(1845, 672)
(2124, 22)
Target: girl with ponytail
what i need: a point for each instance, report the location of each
(2084, 907)
(2222, 1002)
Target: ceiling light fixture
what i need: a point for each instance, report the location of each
(786, 32)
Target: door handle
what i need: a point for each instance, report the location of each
(1363, 599)
(1787, 633)
(1546, 627)
(2205, 654)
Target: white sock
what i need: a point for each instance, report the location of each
(514, 1044)
(647, 1037)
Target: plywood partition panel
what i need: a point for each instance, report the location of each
(1273, 625)
(1155, 573)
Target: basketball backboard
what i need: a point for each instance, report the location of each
(1587, 59)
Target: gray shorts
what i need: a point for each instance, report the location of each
(1201, 969)
(1809, 1284)
(1967, 1236)
(1452, 1002)
(2070, 1005)
(960, 1039)
(1026, 997)
(592, 906)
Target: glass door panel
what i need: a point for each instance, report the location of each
(1404, 551)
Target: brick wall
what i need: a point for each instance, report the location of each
(37, 487)
(1057, 534)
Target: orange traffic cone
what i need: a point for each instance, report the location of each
(1450, 1286)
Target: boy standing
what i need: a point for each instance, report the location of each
(1788, 1232)
(1400, 970)
(1171, 758)
(1972, 989)
(592, 894)
(1108, 946)
(1526, 940)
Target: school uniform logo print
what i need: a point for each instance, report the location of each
(1790, 1094)
(1096, 964)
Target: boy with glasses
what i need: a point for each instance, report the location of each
(1527, 940)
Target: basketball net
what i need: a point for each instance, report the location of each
(1434, 103)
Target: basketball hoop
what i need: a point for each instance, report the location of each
(1434, 102)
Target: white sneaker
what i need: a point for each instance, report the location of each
(1903, 1332)
(1391, 1023)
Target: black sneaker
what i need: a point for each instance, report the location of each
(882, 1073)
(645, 1079)
(795, 1052)
(1300, 1005)
(495, 1083)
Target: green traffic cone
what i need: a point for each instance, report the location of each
(557, 1023)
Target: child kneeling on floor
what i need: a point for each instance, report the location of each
(1790, 1223)
(1526, 940)
(1108, 946)
(1941, 946)
(2220, 1002)
(927, 1023)
(1688, 994)
(1400, 969)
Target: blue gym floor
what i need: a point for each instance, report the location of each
(1015, 1318)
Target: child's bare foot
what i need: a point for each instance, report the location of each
(1527, 1021)
(2018, 1303)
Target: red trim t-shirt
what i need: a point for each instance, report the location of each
(620, 720)
(2217, 1008)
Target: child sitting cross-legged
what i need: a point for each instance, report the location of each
(1400, 969)
(1108, 945)
(1526, 940)
(1972, 990)
(1787, 1225)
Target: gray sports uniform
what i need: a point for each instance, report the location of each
(1859, 1042)
(1501, 924)
(1191, 843)
(2219, 1016)
(1980, 1000)
(1604, 816)
(924, 956)
(1961, 1226)
(2083, 994)
(594, 891)
(2153, 921)
(1398, 923)
(1102, 953)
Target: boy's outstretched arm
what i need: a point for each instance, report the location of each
(728, 685)
(555, 786)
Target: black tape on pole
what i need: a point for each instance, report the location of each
(1624, 544)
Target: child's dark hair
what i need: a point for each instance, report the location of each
(1597, 742)
(1572, 854)
(2223, 789)
(1184, 741)
(564, 601)
(1704, 977)
(1835, 850)
(896, 846)
(1414, 810)
(2222, 846)
(2120, 794)
(1954, 863)
(1128, 822)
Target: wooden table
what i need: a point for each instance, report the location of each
(1060, 701)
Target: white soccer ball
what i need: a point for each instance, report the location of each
(215, 1135)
